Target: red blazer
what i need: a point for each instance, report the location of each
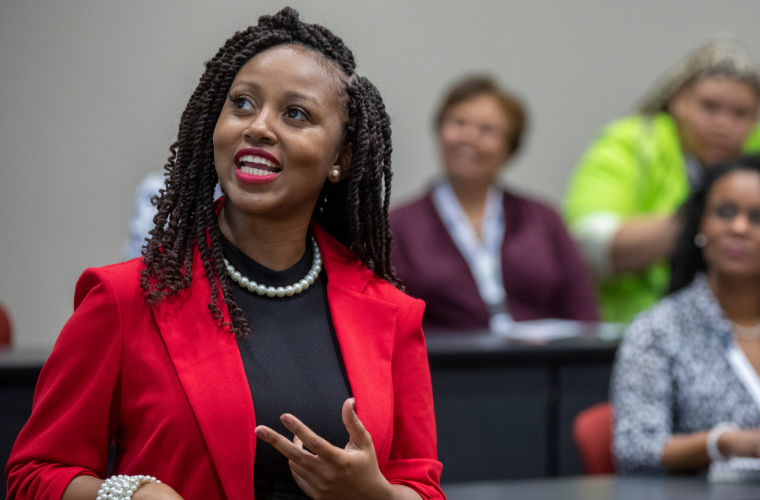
(168, 385)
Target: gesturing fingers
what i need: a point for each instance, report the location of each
(359, 436)
(326, 471)
(310, 440)
(297, 441)
(291, 450)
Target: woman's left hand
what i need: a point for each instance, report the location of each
(331, 472)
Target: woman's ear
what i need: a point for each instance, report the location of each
(342, 164)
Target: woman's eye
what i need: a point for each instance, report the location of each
(488, 131)
(754, 217)
(241, 102)
(296, 114)
(710, 106)
(741, 114)
(726, 212)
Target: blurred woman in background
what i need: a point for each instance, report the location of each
(632, 179)
(685, 384)
(480, 256)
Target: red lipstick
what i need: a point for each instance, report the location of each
(256, 166)
(256, 152)
(736, 252)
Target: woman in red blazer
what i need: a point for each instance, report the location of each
(152, 359)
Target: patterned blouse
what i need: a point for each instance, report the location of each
(671, 376)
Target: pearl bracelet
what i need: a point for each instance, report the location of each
(712, 441)
(123, 487)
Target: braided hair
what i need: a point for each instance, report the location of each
(354, 211)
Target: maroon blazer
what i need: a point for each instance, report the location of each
(167, 384)
(544, 274)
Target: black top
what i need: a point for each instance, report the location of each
(293, 365)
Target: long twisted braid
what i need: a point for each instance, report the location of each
(354, 211)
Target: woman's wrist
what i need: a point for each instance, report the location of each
(122, 487)
(720, 443)
(383, 489)
(388, 491)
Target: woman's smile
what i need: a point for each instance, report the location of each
(739, 251)
(256, 166)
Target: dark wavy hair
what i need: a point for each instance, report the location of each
(687, 258)
(354, 211)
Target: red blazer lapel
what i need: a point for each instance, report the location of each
(365, 327)
(208, 364)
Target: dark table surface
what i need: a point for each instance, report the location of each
(530, 341)
(603, 488)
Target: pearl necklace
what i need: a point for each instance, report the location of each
(746, 332)
(280, 291)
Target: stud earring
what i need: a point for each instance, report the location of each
(335, 174)
(700, 240)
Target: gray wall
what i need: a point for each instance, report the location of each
(91, 93)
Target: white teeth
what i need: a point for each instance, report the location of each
(254, 171)
(256, 159)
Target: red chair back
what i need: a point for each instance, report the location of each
(5, 328)
(592, 432)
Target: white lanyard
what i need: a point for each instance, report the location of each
(483, 258)
(744, 371)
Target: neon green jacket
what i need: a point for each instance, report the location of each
(634, 168)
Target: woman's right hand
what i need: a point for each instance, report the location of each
(741, 443)
(155, 491)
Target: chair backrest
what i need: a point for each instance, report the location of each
(592, 432)
(5, 328)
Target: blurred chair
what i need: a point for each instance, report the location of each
(592, 432)
(5, 328)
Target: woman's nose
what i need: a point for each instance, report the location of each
(740, 223)
(724, 121)
(471, 132)
(260, 129)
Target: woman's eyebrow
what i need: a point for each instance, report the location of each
(244, 83)
(297, 95)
